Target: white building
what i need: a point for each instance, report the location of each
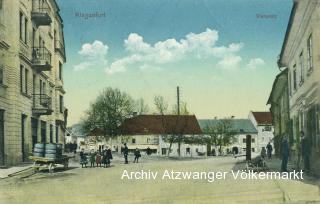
(240, 127)
(153, 131)
(262, 121)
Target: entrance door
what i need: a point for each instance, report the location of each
(23, 126)
(43, 132)
(2, 159)
(34, 131)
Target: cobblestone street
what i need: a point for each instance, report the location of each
(101, 185)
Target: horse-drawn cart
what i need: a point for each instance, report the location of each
(40, 163)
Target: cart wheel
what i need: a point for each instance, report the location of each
(66, 165)
(51, 168)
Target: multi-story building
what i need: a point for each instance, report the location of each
(262, 121)
(32, 55)
(300, 54)
(279, 101)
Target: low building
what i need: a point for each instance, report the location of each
(240, 127)
(262, 121)
(155, 131)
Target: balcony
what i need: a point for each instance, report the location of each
(41, 59)
(42, 104)
(59, 47)
(40, 13)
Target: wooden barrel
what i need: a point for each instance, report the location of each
(51, 150)
(38, 150)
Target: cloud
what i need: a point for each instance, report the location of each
(255, 63)
(201, 45)
(230, 61)
(92, 54)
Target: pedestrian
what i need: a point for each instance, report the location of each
(83, 159)
(92, 158)
(104, 157)
(305, 151)
(269, 150)
(98, 159)
(109, 156)
(125, 153)
(263, 152)
(284, 154)
(148, 151)
(137, 155)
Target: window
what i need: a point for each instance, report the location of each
(57, 133)
(51, 133)
(310, 53)
(301, 68)
(267, 128)
(23, 27)
(61, 104)
(1, 4)
(290, 83)
(253, 140)
(244, 140)
(252, 149)
(1, 75)
(21, 78)
(60, 71)
(188, 150)
(26, 73)
(163, 151)
(294, 78)
(133, 141)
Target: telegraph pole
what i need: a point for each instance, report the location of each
(178, 100)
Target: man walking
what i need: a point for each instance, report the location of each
(305, 151)
(284, 154)
(125, 153)
(269, 150)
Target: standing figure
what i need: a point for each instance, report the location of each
(109, 156)
(98, 159)
(269, 150)
(104, 158)
(148, 151)
(83, 159)
(263, 152)
(284, 154)
(125, 153)
(136, 155)
(305, 151)
(92, 158)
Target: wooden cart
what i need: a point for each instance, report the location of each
(40, 163)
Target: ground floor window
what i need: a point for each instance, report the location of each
(188, 150)
(163, 151)
(252, 149)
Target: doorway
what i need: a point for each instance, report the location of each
(43, 132)
(23, 126)
(2, 155)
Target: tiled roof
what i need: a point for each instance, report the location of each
(160, 124)
(263, 118)
(241, 126)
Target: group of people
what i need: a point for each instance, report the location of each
(136, 153)
(97, 158)
(267, 151)
(305, 151)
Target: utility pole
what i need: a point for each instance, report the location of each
(178, 100)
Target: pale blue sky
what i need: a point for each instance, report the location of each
(226, 67)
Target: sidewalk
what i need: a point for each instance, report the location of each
(4, 173)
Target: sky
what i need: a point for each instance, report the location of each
(221, 53)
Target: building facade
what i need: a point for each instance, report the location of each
(240, 128)
(32, 55)
(300, 54)
(262, 121)
(279, 108)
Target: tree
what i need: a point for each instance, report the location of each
(220, 134)
(141, 107)
(161, 104)
(183, 109)
(108, 111)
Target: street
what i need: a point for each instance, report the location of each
(104, 185)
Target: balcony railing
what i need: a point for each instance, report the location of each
(41, 59)
(40, 13)
(42, 104)
(59, 47)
